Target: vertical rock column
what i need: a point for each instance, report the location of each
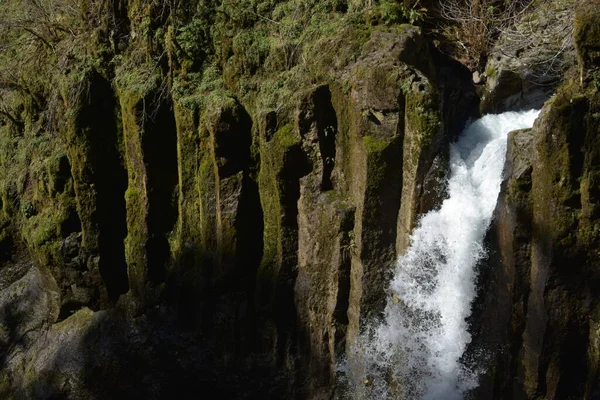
(185, 279)
(325, 245)
(231, 223)
(564, 262)
(501, 309)
(283, 162)
(95, 155)
(422, 142)
(151, 158)
(389, 123)
(553, 326)
(218, 240)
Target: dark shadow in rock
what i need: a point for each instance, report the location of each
(296, 165)
(107, 355)
(110, 179)
(27, 306)
(10, 341)
(327, 127)
(63, 174)
(159, 145)
(72, 224)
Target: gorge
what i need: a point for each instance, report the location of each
(424, 332)
(273, 199)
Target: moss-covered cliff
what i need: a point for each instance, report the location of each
(543, 294)
(253, 167)
(209, 195)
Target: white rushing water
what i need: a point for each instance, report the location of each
(415, 351)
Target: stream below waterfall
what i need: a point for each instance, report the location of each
(414, 351)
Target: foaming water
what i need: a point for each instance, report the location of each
(414, 352)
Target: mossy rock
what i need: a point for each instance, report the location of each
(587, 34)
(374, 145)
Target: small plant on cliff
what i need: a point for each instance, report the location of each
(399, 12)
(349, 246)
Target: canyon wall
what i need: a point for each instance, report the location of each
(541, 293)
(176, 221)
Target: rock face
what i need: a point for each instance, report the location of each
(184, 210)
(224, 244)
(543, 292)
(104, 354)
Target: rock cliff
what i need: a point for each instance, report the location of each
(542, 292)
(210, 196)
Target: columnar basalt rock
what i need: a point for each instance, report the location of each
(390, 111)
(150, 153)
(270, 231)
(325, 245)
(547, 222)
(500, 310)
(100, 180)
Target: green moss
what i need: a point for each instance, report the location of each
(131, 194)
(5, 388)
(378, 79)
(136, 196)
(195, 90)
(561, 191)
(269, 191)
(42, 228)
(394, 12)
(280, 50)
(286, 137)
(208, 196)
(250, 49)
(424, 120)
(587, 35)
(377, 166)
(338, 199)
(36, 188)
(373, 145)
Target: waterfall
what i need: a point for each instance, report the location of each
(414, 351)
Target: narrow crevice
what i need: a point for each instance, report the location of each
(343, 283)
(270, 125)
(240, 249)
(296, 165)
(63, 174)
(159, 146)
(110, 179)
(232, 141)
(8, 247)
(121, 25)
(342, 301)
(249, 222)
(67, 309)
(380, 218)
(71, 224)
(327, 127)
(573, 360)
(249, 252)
(576, 148)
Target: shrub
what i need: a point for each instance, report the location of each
(476, 24)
